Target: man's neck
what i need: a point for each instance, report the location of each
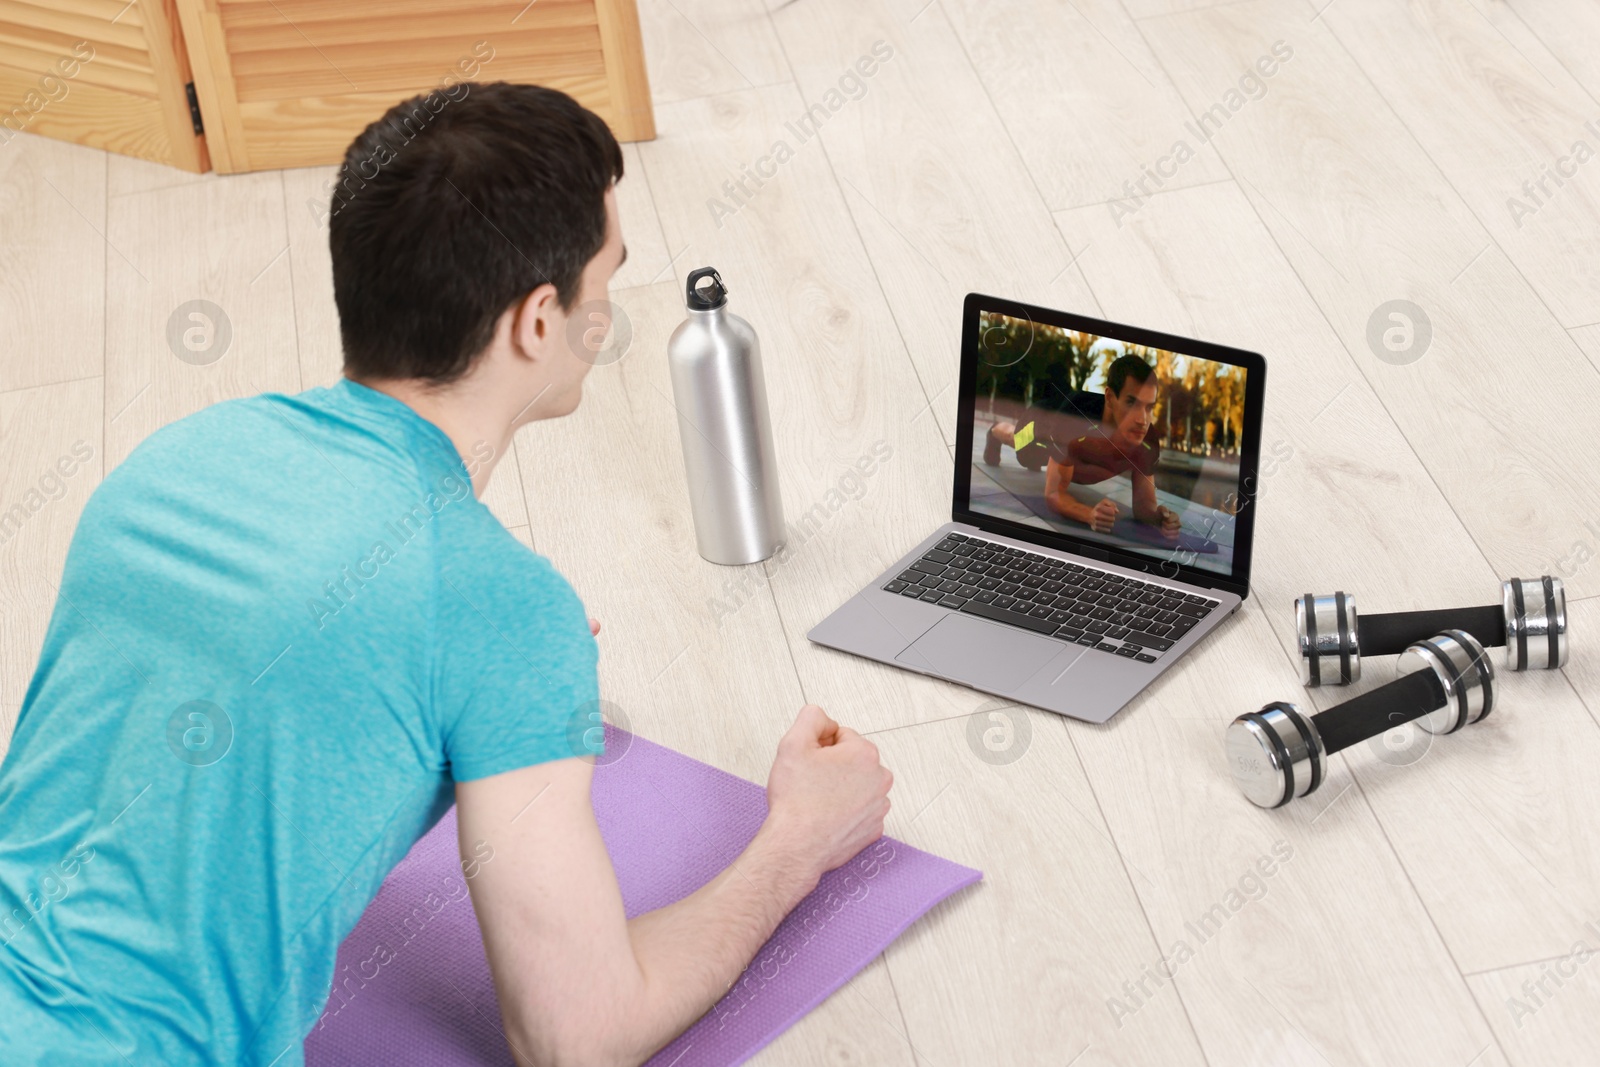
(472, 416)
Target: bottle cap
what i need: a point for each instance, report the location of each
(707, 297)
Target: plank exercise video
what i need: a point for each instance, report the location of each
(1112, 442)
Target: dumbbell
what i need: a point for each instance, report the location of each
(1278, 753)
(1530, 621)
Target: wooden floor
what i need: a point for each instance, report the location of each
(1422, 914)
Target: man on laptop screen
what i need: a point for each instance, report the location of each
(1131, 446)
(1108, 434)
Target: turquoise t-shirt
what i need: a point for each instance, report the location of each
(285, 628)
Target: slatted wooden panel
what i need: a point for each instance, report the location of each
(288, 83)
(106, 73)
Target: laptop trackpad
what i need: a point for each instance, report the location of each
(984, 654)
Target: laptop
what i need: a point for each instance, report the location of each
(1104, 501)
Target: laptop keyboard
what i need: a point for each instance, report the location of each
(1068, 601)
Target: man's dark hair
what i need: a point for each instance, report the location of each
(1124, 367)
(454, 206)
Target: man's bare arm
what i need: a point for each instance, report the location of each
(1148, 511)
(577, 982)
(1057, 476)
(1144, 498)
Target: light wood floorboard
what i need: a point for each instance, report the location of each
(52, 261)
(952, 209)
(1082, 98)
(1588, 338)
(1500, 119)
(1316, 155)
(1544, 1013)
(1568, 30)
(978, 983)
(703, 48)
(649, 261)
(215, 241)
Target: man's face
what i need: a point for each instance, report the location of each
(588, 325)
(1132, 411)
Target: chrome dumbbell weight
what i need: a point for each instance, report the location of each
(1279, 753)
(1530, 621)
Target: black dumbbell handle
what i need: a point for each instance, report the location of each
(1370, 714)
(1389, 634)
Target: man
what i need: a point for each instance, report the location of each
(1089, 438)
(289, 634)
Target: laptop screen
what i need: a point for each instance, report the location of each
(1104, 438)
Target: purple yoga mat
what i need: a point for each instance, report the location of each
(412, 986)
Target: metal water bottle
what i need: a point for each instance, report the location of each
(721, 398)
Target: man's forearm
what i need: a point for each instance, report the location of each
(1056, 479)
(1070, 507)
(1146, 505)
(690, 952)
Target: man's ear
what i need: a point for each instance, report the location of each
(534, 323)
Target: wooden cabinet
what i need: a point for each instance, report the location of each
(288, 83)
(107, 73)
